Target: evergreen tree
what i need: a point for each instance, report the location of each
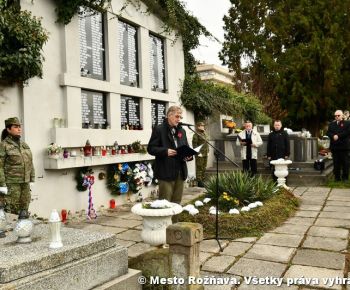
(298, 50)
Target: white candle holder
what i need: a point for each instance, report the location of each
(55, 229)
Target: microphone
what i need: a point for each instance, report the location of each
(185, 124)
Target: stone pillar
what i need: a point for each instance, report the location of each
(183, 239)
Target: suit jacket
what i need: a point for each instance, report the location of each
(278, 144)
(165, 167)
(343, 132)
(256, 140)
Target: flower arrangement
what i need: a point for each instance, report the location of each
(124, 177)
(53, 149)
(157, 204)
(137, 147)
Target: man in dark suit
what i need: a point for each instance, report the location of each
(277, 145)
(170, 170)
(339, 132)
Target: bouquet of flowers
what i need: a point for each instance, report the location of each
(54, 149)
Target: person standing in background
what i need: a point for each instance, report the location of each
(16, 168)
(277, 144)
(339, 132)
(249, 141)
(202, 157)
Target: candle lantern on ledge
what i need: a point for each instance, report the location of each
(87, 149)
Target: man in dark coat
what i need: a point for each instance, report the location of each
(278, 143)
(170, 170)
(339, 132)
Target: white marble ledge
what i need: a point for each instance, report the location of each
(81, 161)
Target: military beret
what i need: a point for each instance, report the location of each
(12, 121)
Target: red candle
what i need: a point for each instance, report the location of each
(112, 203)
(104, 152)
(64, 215)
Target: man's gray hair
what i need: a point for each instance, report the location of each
(173, 110)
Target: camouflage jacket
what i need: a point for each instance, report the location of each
(196, 141)
(16, 162)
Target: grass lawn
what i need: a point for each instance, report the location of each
(253, 223)
(338, 184)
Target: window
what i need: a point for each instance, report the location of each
(93, 106)
(92, 51)
(157, 63)
(129, 74)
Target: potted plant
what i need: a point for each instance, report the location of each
(54, 151)
(156, 218)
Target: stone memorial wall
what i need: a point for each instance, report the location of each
(93, 113)
(130, 113)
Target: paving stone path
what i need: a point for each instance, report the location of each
(308, 251)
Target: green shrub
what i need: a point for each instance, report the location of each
(238, 188)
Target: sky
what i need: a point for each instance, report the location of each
(209, 14)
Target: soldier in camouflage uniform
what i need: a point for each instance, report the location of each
(202, 157)
(16, 168)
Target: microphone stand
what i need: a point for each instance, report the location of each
(217, 153)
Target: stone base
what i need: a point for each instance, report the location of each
(85, 261)
(128, 281)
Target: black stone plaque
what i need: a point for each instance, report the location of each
(157, 63)
(92, 52)
(130, 113)
(93, 109)
(128, 54)
(158, 112)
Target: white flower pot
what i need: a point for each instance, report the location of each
(155, 222)
(281, 170)
(54, 156)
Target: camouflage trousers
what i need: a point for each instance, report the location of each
(17, 198)
(201, 166)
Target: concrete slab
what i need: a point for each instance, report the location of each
(329, 222)
(130, 235)
(120, 223)
(328, 232)
(300, 221)
(323, 243)
(250, 268)
(336, 208)
(317, 258)
(312, 201)
(103, 229)
(246, 240)
(218, 263)
(203, 256)
(339, 197)
(337, 203)
(212, 246)
(131, 216)
(236, 248)
(298, 191)
(138, 249)
(283, 240)
(270, 253)
(125, 282)
(292, 228)
(310, 207)
(306, 213)
(334, 215)
(317, 275)
(318, 189)
(125, 243)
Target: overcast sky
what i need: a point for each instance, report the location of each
(210, 14)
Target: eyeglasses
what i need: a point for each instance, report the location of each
(178, 117)
(337, 115)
